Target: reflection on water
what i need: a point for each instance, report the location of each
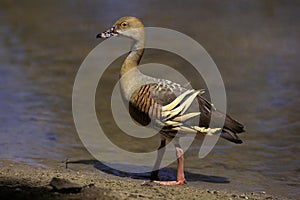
(255, 44)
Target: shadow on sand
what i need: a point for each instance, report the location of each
(164, 173)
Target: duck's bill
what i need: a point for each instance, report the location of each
(107, 34)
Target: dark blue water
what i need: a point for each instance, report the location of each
(255, 44)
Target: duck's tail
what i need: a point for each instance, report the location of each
(231, 127)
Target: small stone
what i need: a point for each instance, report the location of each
(136, 195)
(91, 185)
(243, 196)
(147, 183)
(64, 186)
(234, 195)
(212, 191)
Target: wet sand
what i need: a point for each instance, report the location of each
(21, 181)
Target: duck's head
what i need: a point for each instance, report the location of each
(130, 27)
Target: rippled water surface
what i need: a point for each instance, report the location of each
(255, 44)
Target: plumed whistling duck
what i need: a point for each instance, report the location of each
(163, 101)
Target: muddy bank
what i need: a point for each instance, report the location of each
(20, 181)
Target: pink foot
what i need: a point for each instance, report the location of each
(179, 182)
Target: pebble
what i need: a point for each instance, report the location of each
(216, 192)
(147, 183)
(64, 186)
(212, 191)
(243, 196)
(136, 195)
(58, 174)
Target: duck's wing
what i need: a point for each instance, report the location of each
(147, 101)
(165, 104)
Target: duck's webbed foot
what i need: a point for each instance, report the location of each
(178, 182)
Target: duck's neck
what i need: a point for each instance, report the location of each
(134, 57)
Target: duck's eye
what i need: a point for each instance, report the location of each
(124, 24)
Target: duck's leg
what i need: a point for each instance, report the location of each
(160, 153)
(180, 169)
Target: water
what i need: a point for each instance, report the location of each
(255, 44)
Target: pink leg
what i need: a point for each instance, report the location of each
(180, 170)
